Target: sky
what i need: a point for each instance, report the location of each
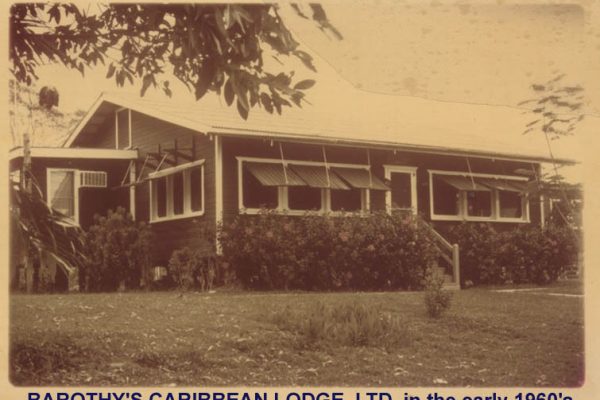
(481, 52)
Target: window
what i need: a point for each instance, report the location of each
(62, 193)
(305, 198)
(296, 187)
(463, 196)
(347, 200)
(479, 203)
(511, 204)
(177, 192)
(446, 198)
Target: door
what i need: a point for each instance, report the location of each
(403, 194)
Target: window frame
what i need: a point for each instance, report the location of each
(283, 195)
(402, 169)
(168, 173)
(463, 202)
(76, 186)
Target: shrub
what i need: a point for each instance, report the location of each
(120, 253)
(354, 325)
(478, 245)
(526, 254)
(535, 255)
(269, 251)
(192, 269)
(437, 300)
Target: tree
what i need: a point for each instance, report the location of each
(216, 48)
(558, 108)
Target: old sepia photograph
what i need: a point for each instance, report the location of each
(276, 194)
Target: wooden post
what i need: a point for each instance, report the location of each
(456, 264)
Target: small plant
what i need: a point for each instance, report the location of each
(354, 325)
(191, 269)
(437, 300)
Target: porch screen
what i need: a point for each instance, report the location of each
(61, 192)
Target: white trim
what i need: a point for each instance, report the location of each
(477, 175)
(402, 169)
(75, 152)
(543, 211)
(132, 178)
(75, 189)
(495, 200)
(168, 174)
(218, 191)
(172, 170)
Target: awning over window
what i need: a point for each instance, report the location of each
(359, 178)
(520, 186)
(316, 176)
(271, 174)
(464, 183)
(504, 184)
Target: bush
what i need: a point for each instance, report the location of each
(270, 251)
(478, 245)
(354, 325)
(120, 253)
(437, 300)
(191, 269)
(526, 254)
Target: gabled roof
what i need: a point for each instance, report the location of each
(403, 123)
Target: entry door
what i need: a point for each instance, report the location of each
(403, 194)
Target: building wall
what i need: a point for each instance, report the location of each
(265, 148)
(148, 133)
(91, 200)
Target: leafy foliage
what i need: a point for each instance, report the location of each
(437, 300)
(208, 47)
(120, 253)
(271, 251)
(527, 254)
(557, 108)
(354, 325)
(43, 228)
(191, 269)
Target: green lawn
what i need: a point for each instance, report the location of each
(487, 339)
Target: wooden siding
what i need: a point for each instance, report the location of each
(91, 200)
(147, 134)
(265, 148)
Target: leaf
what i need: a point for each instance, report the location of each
(111, 71)
(243, 111)
(147, 81)
(266, 102)
(204, 79)
(305, 84)
(228, 92)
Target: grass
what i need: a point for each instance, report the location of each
(486, 339)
